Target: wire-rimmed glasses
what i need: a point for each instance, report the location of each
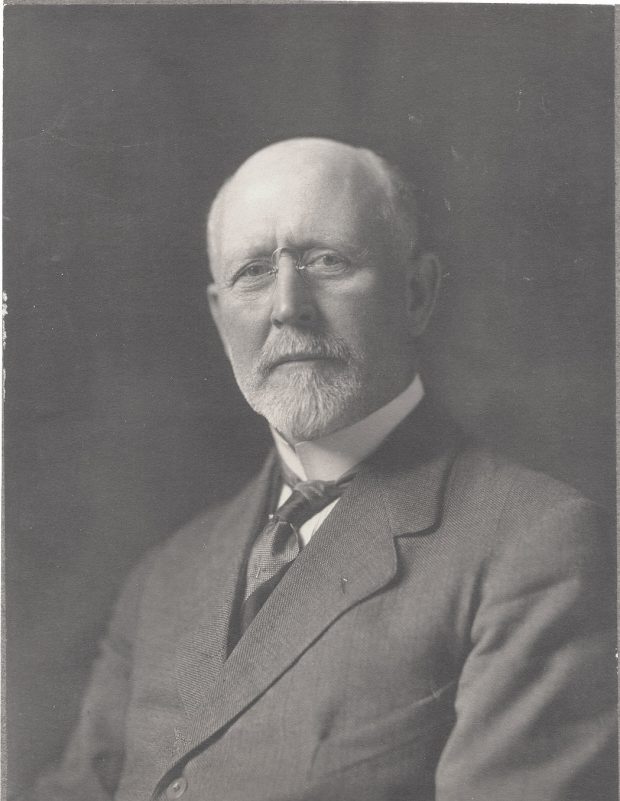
(314, 264)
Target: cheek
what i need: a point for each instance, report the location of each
(371, 313)
(244, 333)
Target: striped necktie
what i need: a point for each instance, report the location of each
(279, 542)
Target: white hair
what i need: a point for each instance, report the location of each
(400, 210)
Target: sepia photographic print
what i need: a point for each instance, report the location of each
(309, 448)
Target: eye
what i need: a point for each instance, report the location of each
(257, 268)
(253, 270)
(326, 261)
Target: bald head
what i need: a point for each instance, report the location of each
(310, 169)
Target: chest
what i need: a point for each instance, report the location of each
(398, 646)
(375, 688)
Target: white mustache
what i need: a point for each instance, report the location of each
(309, 346)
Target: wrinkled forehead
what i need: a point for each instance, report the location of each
(298, 202)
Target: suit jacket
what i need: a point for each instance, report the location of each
(447, 634)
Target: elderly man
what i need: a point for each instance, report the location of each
(385, 612)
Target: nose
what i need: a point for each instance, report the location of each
(292, 302)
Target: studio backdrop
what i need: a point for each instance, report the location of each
(122, 419)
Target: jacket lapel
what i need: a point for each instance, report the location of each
(350, 557)
(203, 648)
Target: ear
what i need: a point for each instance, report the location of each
(423, 282)
(213, 298)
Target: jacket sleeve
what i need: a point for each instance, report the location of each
(93, 760)
(535, 706)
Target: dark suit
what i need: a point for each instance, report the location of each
(447, 633)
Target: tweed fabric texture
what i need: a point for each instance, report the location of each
(447, 633)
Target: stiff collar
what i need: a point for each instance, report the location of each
(328, 458)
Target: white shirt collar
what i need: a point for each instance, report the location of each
(328, 458)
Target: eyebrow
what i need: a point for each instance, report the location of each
(242, 254)
(258, 251)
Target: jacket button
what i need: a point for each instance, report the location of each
(176, 788)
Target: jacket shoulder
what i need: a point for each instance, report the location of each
(185, 548)
(519, 515)
(483, 472)
(200, 539)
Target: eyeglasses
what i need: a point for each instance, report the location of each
(315, 265)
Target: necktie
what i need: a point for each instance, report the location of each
(278, 544)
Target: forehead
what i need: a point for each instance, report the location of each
(272, 204)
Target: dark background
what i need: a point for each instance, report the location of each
(121, 417)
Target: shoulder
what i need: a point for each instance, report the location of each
(522, 520)
(174, 557)
(490, 480)
(186, 549)
(202, 547)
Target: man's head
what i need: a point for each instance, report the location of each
(322, 334)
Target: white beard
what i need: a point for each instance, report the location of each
(307, 404)
(304, 401)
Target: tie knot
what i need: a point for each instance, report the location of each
(307, 499)
(318, 491)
